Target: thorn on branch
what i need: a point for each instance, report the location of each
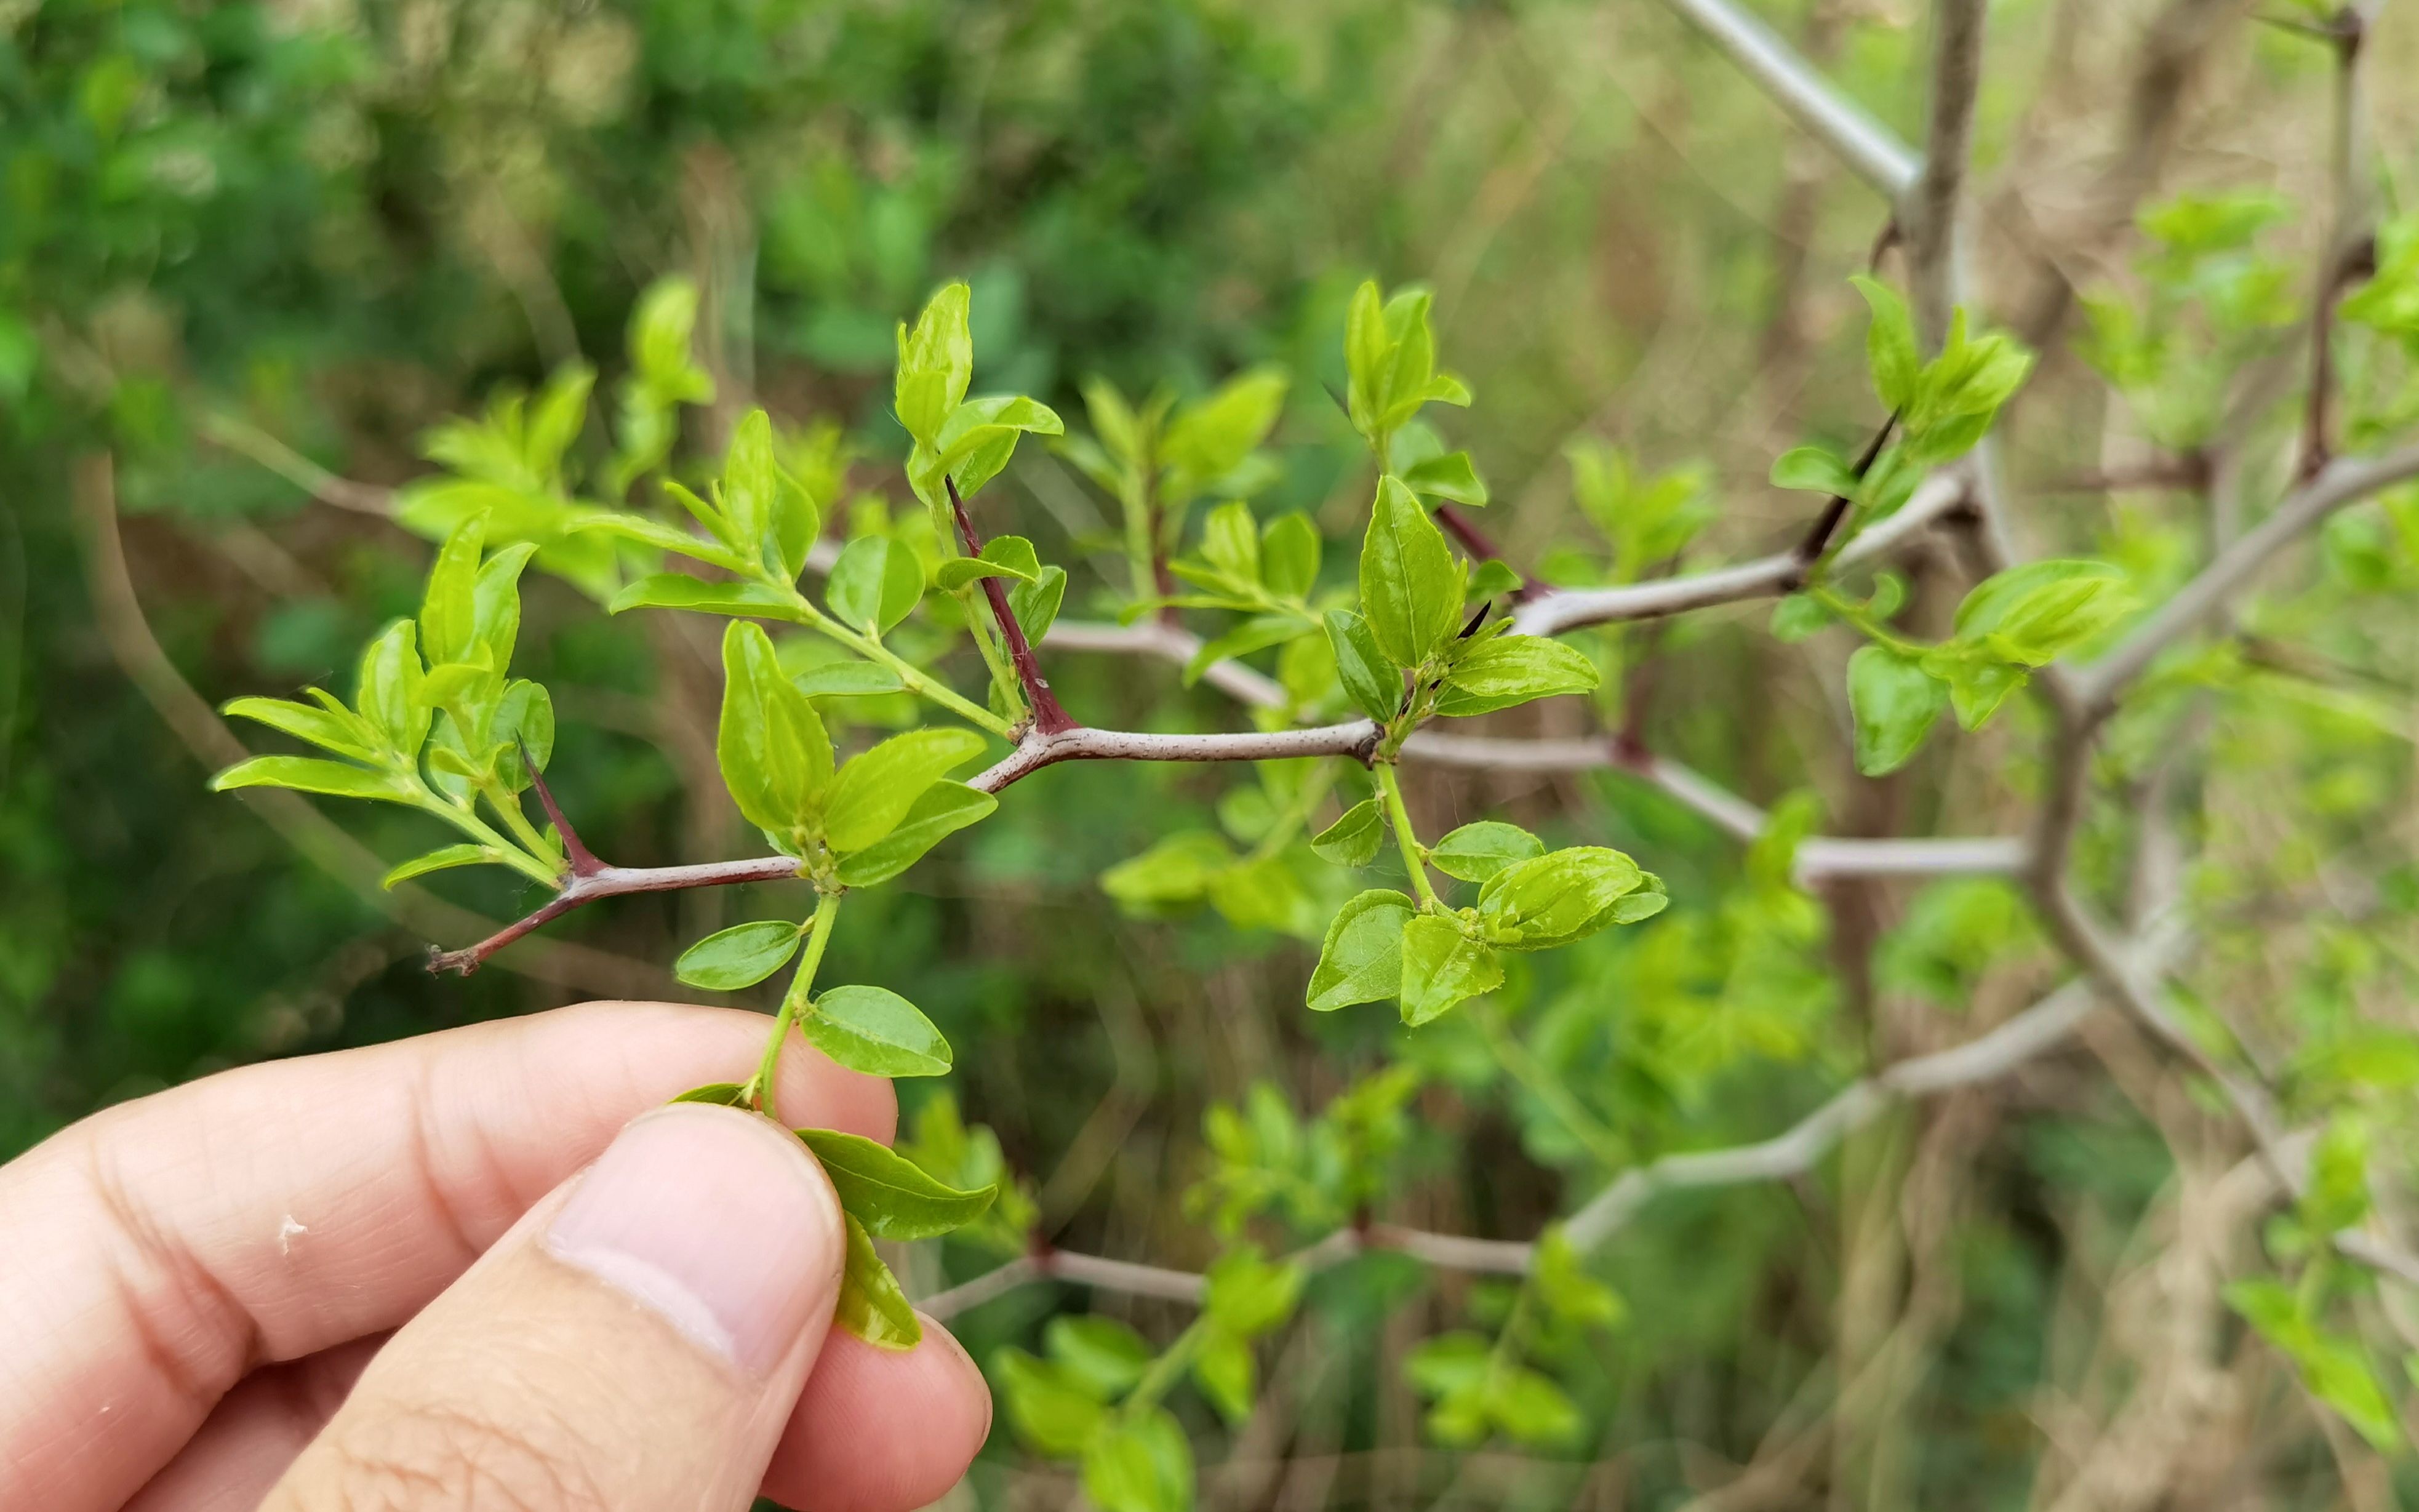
(1818, 539)
(2355, 264)
(583, 861)
(1888, 238)
(1049, 718)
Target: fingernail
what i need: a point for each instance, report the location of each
(715, 1220)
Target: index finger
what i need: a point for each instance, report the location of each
(160, 1249)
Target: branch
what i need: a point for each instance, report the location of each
(1356, 738)
(1816, 103)
(2349, 256)
(2342, 481)
(608, 881)
(250, 441)
(1047, 717)
(2021, 1038)
(1934, 249)
(1551, 613)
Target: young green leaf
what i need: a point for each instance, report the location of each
(1036, 604)
(889, 1194)
(1451, 476)
(740, 956)
(874, 584)
(775, 756)
(1813, 469)
(874, 1031)
(1107, 1356)
(717, 1094)
(1557, 898)
(388, 695)
(1051, 1409)
(1372, 682)
(1227, 1376)
(1174, 873)
(936, 359)
(337, 729)
(448, 611)
(1139, 1464)
(672, 589)
(1567, 1290)
(1362, 959)
(1889, 344)
(1289, 552)
(751, 489)
(848, 679)
(1003, 555)
(1895, 703)
(940, 811)
(1411, 585)
(1442, 966)
(1476, 852)
(309, 774)
(1210, 439)
(439, 861)
(1230, 542)
(872, 1304)
(1247, 1294)
(1352, 839)
(875, 791)
(1512, 669)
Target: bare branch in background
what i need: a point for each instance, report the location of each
(1814, 102)
(1936, 243)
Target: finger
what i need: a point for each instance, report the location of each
(849, 1448)
(270, 1212)
(638, 1346)
(882, 1430)
(256, 1431)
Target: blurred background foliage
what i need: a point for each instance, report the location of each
(242, 242)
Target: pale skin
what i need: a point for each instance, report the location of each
(402, 1278)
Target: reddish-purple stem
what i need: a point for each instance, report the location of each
(1480, 549)
(1047, 717)
(610, 881)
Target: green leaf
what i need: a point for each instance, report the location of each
(1175, 870)
(936, 359)
(1512, 669)
(336, 730)
(1362, 959)
(1557, 898)
(441, 859)
(1476, 852)
(1003, 555)
(1889, 344)
(672, 589)
(1451, 476)
(1230, 542)
(1895, 703)
(2033, 614)
(717, 1095)
(1799, 617)
(776, 758)
(496, 603)
(1050, 1407)
(1411, 585)
(889, 1194)
(1210, 439)
(1106, 1356)
(875, 789)
(524, 720)
(309, 774)
(1532, 1411)
(848, 679)
(387, 694)
(447, 608)
(875, 583)
(1289, 552)
(1372, 682)
(751, 489)
(1247, 1294)
(1442, 966)
(940, 811)
(1352, 839)
(740, 956)
(872, 1306)
(1257, 633)
(1036, 604)
(874, 1031)
(660, 534)
(1814, 471)
(1224, 1369)
(1567, 1290)
(976, 441)
(1139, 1464)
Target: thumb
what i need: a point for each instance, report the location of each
(636, 1342)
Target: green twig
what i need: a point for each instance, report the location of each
(759, 1086)
(1415, 854)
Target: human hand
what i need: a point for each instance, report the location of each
(382, 1278)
